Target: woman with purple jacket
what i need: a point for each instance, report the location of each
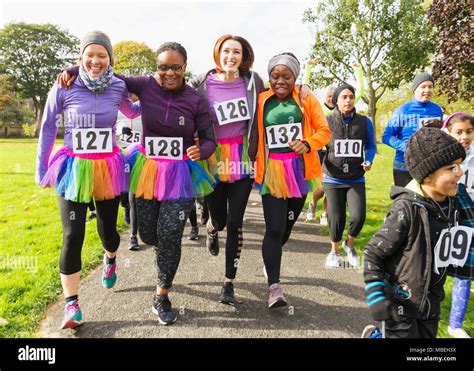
(89, 166)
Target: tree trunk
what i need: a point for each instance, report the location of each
(39, 108)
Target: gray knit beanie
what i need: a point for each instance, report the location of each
(419, 78)
(98, 37)
(286, 59)
(430, 149)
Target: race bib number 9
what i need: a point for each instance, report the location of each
(278, 136)
(92, 140)
(348, 148)
(452, 247)
(164, 147)
(232, 110)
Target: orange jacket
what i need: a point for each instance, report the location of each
(315, 132)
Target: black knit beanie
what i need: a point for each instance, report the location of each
(430, 149)
(339, 90)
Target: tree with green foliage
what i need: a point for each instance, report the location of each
(391, 40)
(33, 54)
(453, 67)
(134, 58)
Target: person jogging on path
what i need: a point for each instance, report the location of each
(350, 153)
(89, 166)
(406, 120)
(291, 130)
(231, 90)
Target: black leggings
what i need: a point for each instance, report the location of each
(412, 328)
(227, 208)
(338, 196)
(73, 219)
(161, 224)
(280, 216)
(401, 178)
(128, 201)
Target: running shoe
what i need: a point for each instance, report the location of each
(323, 221)
(276, 298)
(333, 260)
(371, 332)
(194, 234)
(352, 256)
(109, 277)
(162, 308)
(72, 315)
(458, 333)
(310, 213)
(212, 243)
(133, 243)
(227, 294)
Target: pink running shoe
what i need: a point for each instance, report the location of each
(276, 298)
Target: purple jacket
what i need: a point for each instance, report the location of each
(165, 113)
(82, 109)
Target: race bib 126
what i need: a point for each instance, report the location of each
(164, 147)
(278, 136)
(92, 140)
(348, 148)
(452, 247)
(232, 110)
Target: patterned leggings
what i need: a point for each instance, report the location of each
(161, 224)
(461, 292)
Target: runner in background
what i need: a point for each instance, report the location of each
(460, 126)
(89, 166)
(291, 130)
(231, 90)
(129, 132)
(406, 120)
(350, 153)
(328, 108)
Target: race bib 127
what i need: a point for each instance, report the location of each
(92, 140)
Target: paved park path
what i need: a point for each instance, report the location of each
(322, 303)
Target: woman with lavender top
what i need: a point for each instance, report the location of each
(89, 166)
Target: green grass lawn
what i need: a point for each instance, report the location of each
(30, 231)
(31, 235)
(378, 183)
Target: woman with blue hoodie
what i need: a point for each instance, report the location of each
(406, 120)
(89, 166)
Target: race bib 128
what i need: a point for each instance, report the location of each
(278, 136)
(164, 147)
(92, 140)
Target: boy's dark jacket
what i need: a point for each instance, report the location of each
(401, 253)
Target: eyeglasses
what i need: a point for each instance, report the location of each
(175, 68)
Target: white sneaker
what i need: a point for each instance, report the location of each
(352, 256)
(310, 213)
(458, 333)
(323, 220)
(333, 260)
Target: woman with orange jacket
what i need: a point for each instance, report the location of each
(291, 130)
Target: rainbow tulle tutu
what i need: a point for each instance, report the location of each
(284, 177)
(81, 177)
(166, 180)
(230, 161)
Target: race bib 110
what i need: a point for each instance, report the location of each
(92, 140)
(348, 148)
(278, 136)
(164, 147)
(232, 110)
(452, 247)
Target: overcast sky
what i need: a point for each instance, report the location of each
(270, 27)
